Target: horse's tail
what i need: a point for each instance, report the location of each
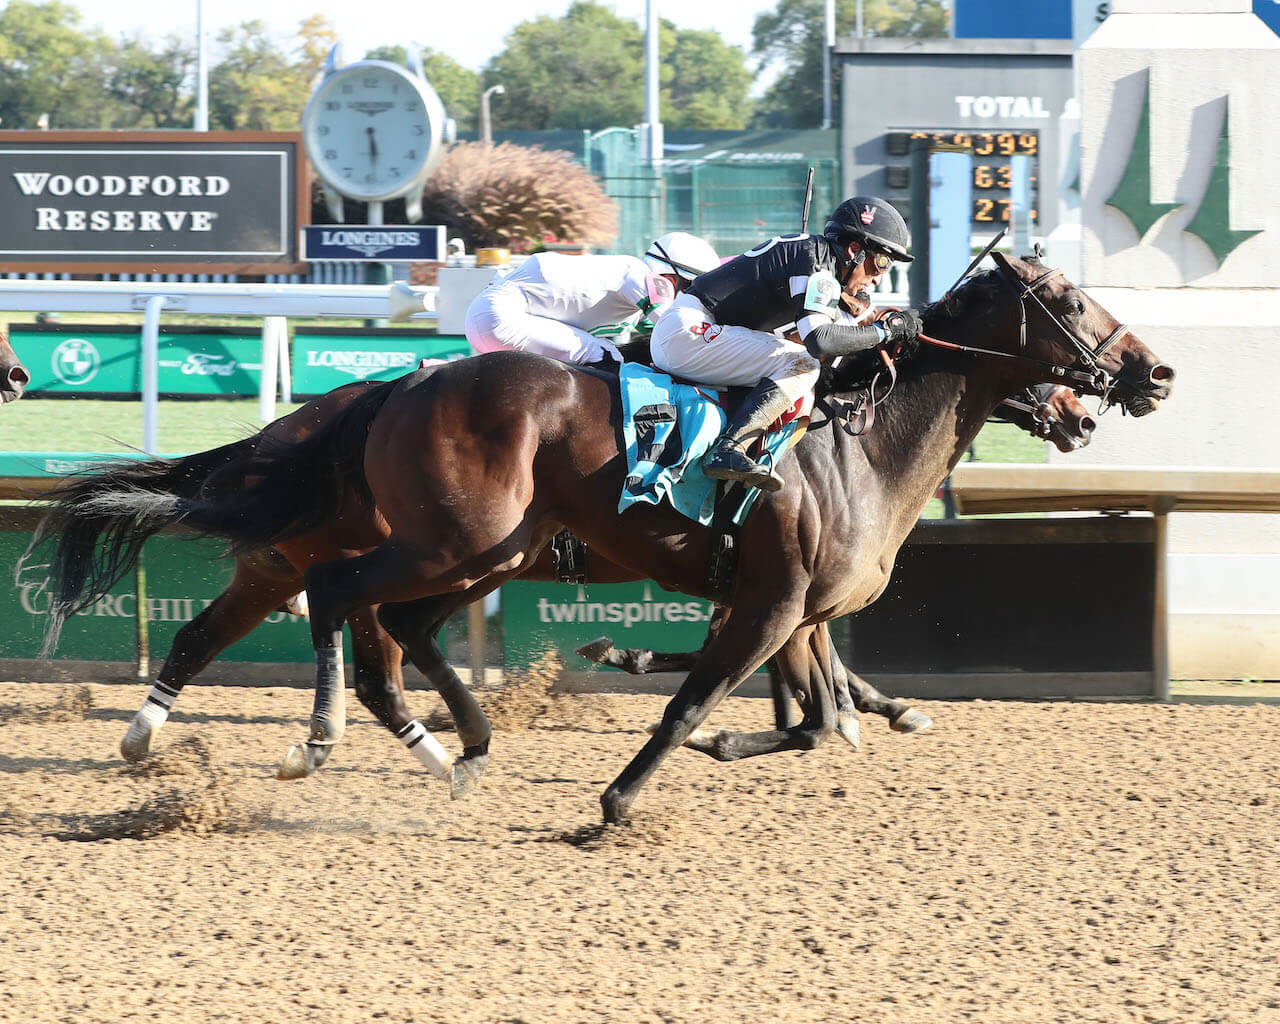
(253, 493)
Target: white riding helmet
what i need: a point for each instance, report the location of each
(685, 254)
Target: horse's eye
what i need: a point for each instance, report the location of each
(1075, 307)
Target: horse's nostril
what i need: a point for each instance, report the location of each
(1161, 374)
(1087, 425)
(18, 376)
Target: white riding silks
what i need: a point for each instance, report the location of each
(427, 749)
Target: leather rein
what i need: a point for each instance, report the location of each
(1094, 380)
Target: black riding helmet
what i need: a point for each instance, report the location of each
(870, 219)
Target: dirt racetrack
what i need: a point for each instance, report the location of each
(1019, 862)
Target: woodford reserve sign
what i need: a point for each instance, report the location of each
(152, 202)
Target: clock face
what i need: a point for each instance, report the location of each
(368, 130)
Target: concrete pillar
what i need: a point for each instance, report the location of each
(1180, 213)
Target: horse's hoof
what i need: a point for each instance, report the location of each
(849, 729)
(294, 765)
(704, 740)
(597, 650)
(911, 720)
(303, 759)
(614, 807)
(136, 744)
(465, 776)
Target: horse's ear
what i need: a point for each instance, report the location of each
(1012, 265)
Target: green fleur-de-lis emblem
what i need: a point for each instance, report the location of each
(1211, 223)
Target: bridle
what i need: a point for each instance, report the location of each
(1026, 402)
(1093, 380)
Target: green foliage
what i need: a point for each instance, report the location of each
(792, 35)
(582, 70)
(459, 88)
(586, 70)
(704, 80)
(578, 71)
(255, 86)
(150, 85)
(48, 66)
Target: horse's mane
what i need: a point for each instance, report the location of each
(978, 289)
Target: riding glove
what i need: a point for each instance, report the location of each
(902, 327)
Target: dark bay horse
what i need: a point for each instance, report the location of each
(14, 377)
(475, 466)
(263, 578)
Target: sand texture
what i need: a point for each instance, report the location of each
(1018, 862)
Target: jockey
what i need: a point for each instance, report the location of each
(552, 302)
(718, 331)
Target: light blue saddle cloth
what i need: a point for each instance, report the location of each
(668, 429)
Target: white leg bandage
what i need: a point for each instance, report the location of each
(146, 723)
(427, 749)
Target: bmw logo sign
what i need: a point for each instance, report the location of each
(76, 361)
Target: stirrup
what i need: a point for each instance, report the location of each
(731, 463)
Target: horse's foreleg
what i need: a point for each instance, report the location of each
(750, 636)
(798, 672)
(252, 595)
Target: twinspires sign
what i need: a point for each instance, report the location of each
(153, 202)
(389, 243)
(325, 357)
(541, 616)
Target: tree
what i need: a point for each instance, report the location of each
(579, 71)
(586, 70)
(255, 86)
(705, 81)
(48, 66)
(792, 35)
(151, 86)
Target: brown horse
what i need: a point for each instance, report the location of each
(500, 452)
(265, 577)
(14, 377)
(477, 465)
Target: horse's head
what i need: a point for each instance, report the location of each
(1069, 329)
(14, 377)
(1053, 412)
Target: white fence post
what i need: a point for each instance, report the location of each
(270, 363)
(151, 372)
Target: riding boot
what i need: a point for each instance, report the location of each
(728, 459)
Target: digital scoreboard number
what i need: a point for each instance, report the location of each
(992, 171)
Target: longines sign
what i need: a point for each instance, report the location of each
(152, 202)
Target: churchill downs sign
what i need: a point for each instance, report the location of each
(151, 202)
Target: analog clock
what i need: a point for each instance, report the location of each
(372, 130)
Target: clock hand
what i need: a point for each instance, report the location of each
(373, 146)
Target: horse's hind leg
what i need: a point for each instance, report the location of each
(395, 571)
(416, 625)
(865, 697)
(259, 585)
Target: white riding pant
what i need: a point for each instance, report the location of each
(688, 343)
(499, 318)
